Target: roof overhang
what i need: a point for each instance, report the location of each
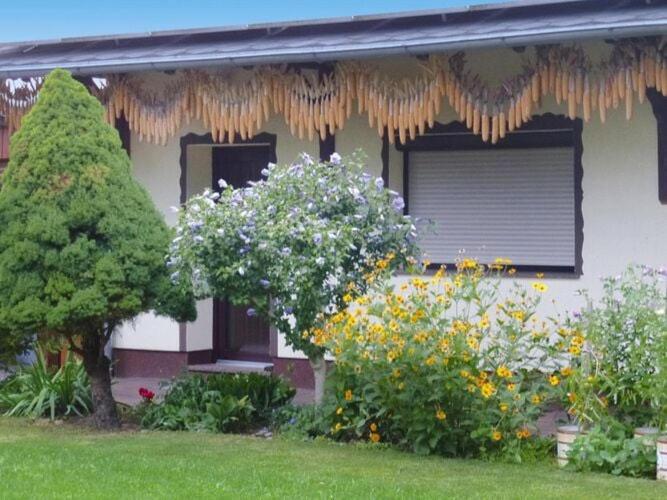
(417, 33)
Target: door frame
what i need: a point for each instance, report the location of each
(219, 307)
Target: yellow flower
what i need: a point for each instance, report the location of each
(538, 286)
(567, 371)
(511, 387)
(348, 395)
(467, 263)
(554, 380)
(339, 411)
(440, 414)
(488, 390)
(518, 315)
(337, 427)
(503, 372)
(496, 435)
(430, 361)
(503, 407)
(401, 386)
(535, 399)
(374, 437)
(374, 427)
(347, 298)
(523, 433)
(575, 350)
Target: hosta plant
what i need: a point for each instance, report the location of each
(445, 364)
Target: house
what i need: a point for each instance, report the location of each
(532, 130)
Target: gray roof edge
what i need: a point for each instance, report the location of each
(510, 4)
(326, 55)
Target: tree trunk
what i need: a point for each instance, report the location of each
(105, 415)
(319, 366)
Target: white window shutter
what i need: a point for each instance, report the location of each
(512, 203)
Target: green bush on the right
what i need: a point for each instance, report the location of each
(621, 370)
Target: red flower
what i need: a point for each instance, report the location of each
(146, 394)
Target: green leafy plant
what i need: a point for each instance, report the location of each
(38, 391)
(447, 364)
(621, 372)
(218, 402)
(293, 245)
(82, 245)
(611, 449)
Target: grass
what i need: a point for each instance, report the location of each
(40, 460)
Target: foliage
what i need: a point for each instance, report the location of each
(38, 391)
(445, 366)
(294, 244)
(82, 246)
(611, 449)
(218, 402)
(622, 369)
(307, 421)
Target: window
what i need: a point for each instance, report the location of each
(520, 199)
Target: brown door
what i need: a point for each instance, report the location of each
(235, 334)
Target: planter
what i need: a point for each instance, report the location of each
(662, 458)
(566, 435)
(649, 433)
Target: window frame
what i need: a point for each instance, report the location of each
(542, 131)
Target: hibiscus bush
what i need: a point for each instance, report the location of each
(293, 245)
(447, 364)
(621, 373)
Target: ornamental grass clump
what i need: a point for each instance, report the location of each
(447, 364)
(294, 245)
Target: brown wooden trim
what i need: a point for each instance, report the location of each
(327, 147)
(542, 131)
(123, 128)
(659, 105)
(384, 155)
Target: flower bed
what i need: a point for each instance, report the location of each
(446, 365)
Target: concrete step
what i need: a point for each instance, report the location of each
(232, 366)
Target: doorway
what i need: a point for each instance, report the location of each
(236, 335)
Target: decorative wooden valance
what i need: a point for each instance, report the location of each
(317, 104)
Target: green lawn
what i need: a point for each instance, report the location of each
(45, 461)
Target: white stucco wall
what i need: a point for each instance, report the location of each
(623, 219)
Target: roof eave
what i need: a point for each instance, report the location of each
(380, 50)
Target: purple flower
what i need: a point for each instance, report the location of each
(379, 183)
(398, 204)
(264, 282)
(317, 238)
(222, 183)
(335, 159)
(251, 312)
